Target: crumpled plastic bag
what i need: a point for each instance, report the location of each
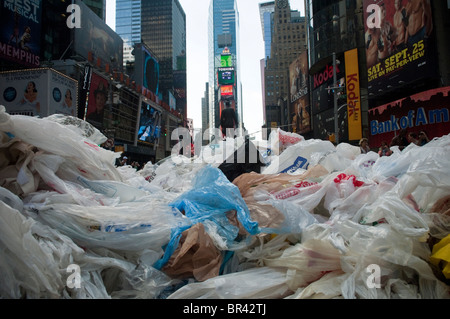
(210, 199)
(64, 142)
(196, 256)
(254, 283)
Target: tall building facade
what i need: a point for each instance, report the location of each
(163, 30)
(128, 26)
(266, 10)
(287, 43)
(223, 45)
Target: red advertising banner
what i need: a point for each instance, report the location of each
(399, 43)
(98, 96)
(426, 111)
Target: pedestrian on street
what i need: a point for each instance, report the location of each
(228, 119)
(364, 145)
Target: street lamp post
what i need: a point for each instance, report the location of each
(336, 124)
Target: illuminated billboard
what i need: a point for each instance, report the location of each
(149, 125)
(226, 91)
(97, 38)
(38, 92)
(299, 97)
(427, 111)
(20, 33)
(353, 95)
(399, 43)
(225, 76)
(322, 98)
(226, 61)
(98, 97)
(146, 68)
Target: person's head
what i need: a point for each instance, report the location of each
(384, 144)
(422, 135)
(125, 158)
(100, 97)
(403, 132)
(31, 87)
(398, 4)
(363, 142)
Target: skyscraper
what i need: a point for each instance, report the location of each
(163, 30)
(288, 42)
(128, 26)
(223, 39)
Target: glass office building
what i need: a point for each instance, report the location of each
(163, 30)
(128, 26)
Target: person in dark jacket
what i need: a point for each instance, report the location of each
(228, 119)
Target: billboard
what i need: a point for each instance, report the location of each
(149, 125)
(97, 99)
(20, 33)
(353, 95)
(226, 61)
(146, 69)
(399, 43)
(226, 91)
(321, 97)
(225, 76)
(428, 111)
(97, 37)
(38, 92)
(301, 119)
(299, 95)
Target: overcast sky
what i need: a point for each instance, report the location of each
(252, 51)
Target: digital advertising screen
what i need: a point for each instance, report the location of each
(226, 91)
(399, 43)
(321, 97)
(225, 76)
(149, 125)
(146, 69)
(97, 101)
(20, 34)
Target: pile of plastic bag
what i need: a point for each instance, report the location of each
(292, 218)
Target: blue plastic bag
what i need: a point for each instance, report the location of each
(210, 198)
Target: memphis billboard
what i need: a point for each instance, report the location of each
(399, 43)
(20, 33)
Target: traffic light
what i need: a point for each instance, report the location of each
(165, 132)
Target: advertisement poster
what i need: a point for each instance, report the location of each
(146, 69)
(98, 38)
(353, 95)
(149, 124)
(399, 43)
(63, 94)
(299, 95)
(20, 33)
(98, 97)
(38, 92)
(427, 111)
(321, 97)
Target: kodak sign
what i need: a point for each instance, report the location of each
(353, 95)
